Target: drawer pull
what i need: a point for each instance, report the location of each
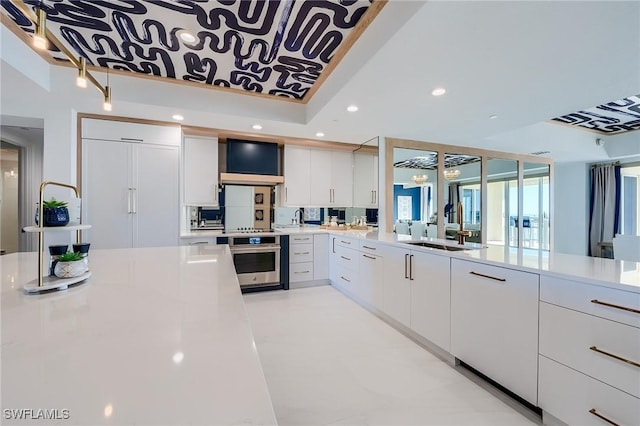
(600, 416)
(611, 305)
(345, 242)
(301, 272)
(347, 280)
(345, 258)
(487, 276)
(301, 239)
(369, 257)
(306, 252)
(619, 358)
(370, 248)
(197, 243)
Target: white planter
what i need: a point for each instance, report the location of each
(70, 269)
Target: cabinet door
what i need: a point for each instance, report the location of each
(397, 287)
(341, 177)
(321, 172)
(200, 171)
(371, 279)
(156, 196)
(296, 176)
(365, 180)
(107, 193)
(128, 132)
(430, 297)
(321, 257)
(494, 324)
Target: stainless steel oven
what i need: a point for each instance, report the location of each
(257, 260)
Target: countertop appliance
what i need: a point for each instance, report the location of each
(202, 218)
(257, 260)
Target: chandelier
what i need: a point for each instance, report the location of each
(450, 174)
(419, 179)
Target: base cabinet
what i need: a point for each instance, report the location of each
(397, 285)
(494, 324)
(308, 258)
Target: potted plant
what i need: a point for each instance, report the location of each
(70, 265)
(55, 213)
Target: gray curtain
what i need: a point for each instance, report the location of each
(604, 205)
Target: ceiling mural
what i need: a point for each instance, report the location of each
(608, 119)
(277, 48)
(430, 161)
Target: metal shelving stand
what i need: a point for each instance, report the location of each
(45, 283)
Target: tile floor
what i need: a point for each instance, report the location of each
(328, 361)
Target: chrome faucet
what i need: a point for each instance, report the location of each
(295, 221)
(461, 232)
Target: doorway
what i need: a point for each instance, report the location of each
(9, 223)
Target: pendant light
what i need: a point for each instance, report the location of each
(81, 81)
(40, 35)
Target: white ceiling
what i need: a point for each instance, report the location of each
(525, 62)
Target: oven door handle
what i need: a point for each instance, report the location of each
(256, 249)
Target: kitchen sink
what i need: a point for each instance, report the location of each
(439, 246)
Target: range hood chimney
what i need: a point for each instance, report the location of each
(251, 162)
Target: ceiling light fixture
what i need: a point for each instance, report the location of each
(352, 108)
(419, 179)
(81, 81)
(320, 134)
(187, 37)
(41, 39)
(177, 117)
(450, 174)
(439, 91)
(256, 127)
(40, 35)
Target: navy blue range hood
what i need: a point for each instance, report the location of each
(251, 157)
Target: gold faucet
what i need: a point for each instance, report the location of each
(461, 233)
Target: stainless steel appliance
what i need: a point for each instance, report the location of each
(257, 260)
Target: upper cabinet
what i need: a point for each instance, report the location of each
(200, 166)
(123, 131)
(315, 177)
(365, 180)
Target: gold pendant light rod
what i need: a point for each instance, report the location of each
(37, 19)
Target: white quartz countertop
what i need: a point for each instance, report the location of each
(623, 275)
(155, 336)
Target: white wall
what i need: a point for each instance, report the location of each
(571, 208)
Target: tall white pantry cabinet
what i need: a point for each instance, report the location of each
(130, 184)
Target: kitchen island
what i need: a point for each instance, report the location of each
(155, 336)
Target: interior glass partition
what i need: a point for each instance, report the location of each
(536, 206)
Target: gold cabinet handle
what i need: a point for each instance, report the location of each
(487, 276)
(614, 356)
(601, 417)
(611, 305)
(347, 280)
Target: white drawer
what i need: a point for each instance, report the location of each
(590, 298)
(301, 253)
(197, 241)
(300, 239)
(370, 247)
(347, 258)
(566, 336)
(570, 395)
(341, 241)
(301, 272)
(346, 279)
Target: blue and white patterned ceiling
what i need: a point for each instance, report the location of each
(608, 119)
(277, 48)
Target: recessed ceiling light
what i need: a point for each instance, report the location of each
(320, 134)
(256, 127)
(177, 117)
(493, 117)
(352, 108)
(438, 91)
(187, 37)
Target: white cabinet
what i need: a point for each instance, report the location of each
(316, 177)
(431, 297)
(297, 175)
(494, 324)
(130, 193)
(365, 180)
(321, 257)
(397, 284)
(308, 258)
(123, 131)
(589, 352)
(343, 264)
(371, 275)
(200, 171)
